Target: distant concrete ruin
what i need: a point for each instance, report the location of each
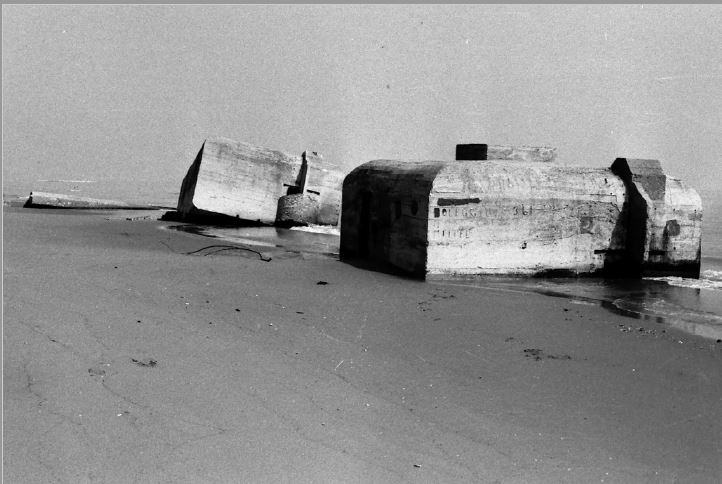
(62, 200)
(235, 181)
(520, 213)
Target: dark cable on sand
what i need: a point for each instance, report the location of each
(228, 247)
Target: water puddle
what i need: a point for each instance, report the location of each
(318, 242)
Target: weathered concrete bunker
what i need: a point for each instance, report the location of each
(236, 180)
(520, 215)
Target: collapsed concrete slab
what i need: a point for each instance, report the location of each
(467, 217)
(241, 181)
(60, 200)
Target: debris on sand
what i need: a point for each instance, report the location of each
(538, 354)
(145, 362)
(96, 372)
(214, 249)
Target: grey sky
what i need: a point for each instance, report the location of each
(131, 92)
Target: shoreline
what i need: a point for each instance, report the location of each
(127, 360)
(696, 317)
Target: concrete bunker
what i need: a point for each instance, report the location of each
(232, 181)
(520, 215)
(664, 225)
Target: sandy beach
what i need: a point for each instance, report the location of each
(133, 353)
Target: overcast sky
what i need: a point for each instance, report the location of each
(130, 92)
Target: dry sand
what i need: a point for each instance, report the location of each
(126, 360)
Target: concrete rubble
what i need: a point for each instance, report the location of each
(520, 214)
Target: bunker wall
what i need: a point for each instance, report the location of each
(521, 217)
(665, 223)
(325, 184)
(385, 214)
(494, 217)
(673, 232)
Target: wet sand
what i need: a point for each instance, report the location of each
(128, 360)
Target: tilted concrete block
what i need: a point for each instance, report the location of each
(323, 183)
(242, 181)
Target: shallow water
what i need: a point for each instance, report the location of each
(695, 308)
(290, 240)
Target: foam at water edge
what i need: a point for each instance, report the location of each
(692, 321)
(712, 275)
(319, 229)
(709, 279)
